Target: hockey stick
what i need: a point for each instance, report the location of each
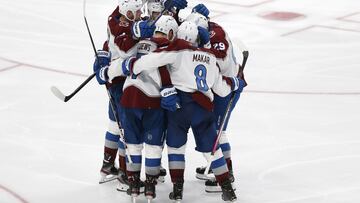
(111, 99)
(245, 57)
(66, 98)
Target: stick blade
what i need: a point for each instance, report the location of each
(58, 93)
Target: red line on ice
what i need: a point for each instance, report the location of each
(42, 68)
(345, 18)
(319, 26)
(18, 197)
(10, 67)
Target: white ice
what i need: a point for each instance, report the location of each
(294, 135)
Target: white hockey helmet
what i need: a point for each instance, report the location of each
(198, 19)
(130, 5)
(188, 31)
(154, 6)
(165, 24)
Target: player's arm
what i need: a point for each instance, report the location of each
(223, 85)
(153, 60)
(219, 44)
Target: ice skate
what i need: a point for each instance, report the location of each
(150, 186)
(162, 175)
(123, 184)
(108, 172)
(228, 193)
(134, 187)
(200, 174)
(212, 186)
(177, 192)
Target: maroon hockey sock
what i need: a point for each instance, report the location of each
(122, 163)
(177, 175)
(108, 152)
(229, 163)
(221, 178)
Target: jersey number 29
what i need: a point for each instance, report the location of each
(200, 74)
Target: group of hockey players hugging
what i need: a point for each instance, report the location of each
(166, 75)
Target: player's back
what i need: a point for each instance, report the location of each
(191, 69)
(148, 81)
(194, 69)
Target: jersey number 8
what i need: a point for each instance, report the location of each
(200, 74)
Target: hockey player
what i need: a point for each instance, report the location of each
(224, 50)
(194, 76)
(145, 119)
(120, 24)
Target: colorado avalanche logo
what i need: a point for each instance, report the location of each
(124, 24)
(212, 33)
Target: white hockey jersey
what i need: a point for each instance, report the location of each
(143, 90)
(191, 69)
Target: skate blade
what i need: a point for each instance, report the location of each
(149, 199)
(234, 200)
(205, 177)
(107, 178)
(122, 187)
(217, 189)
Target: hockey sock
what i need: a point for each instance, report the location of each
(219, 167)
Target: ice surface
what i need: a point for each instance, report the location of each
(294, 135)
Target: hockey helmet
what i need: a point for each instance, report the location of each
(198, 19)
(188, 31)
(154, 6)
(165, 25)
(130, 5)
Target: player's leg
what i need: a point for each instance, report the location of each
(176, 138)
(220, 104)
(108, 171)
(153, 124)
(134, 140)
(116, 92)
(204, 129)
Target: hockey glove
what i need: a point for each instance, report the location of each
(127, 65)
(142, 29)
(169, 99)
(201, 8)
(237, 84)
(204, 37)
(101, 65)
(179, 4)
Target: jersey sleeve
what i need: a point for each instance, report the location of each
(219, 44)
(221, 86)
(114, 69)
(153, 60)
